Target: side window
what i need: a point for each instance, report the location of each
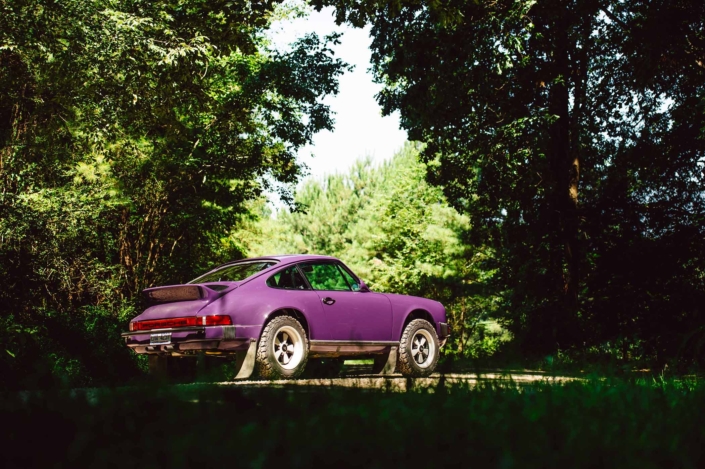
(325, 277)
(351, 281)
(288, 279)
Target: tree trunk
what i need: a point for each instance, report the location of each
(565, 165)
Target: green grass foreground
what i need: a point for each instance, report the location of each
(579, 424)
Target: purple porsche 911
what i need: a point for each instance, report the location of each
(275, 313)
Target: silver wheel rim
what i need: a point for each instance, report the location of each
(288, 347)
(423, 349)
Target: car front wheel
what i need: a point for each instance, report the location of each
(282, 351)
(418, 349)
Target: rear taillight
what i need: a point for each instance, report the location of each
(181, 322)
(217, 320)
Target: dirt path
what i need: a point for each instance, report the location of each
(398, 383)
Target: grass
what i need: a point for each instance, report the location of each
(640, 424)
(369, 361)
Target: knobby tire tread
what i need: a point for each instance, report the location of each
(266, 369)
(404, 360)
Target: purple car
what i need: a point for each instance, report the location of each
(274, 313)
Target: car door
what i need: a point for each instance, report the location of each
(289, 289)
(357, 316)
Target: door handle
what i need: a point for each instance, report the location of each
(328, 300)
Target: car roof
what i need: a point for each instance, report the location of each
(288, 258)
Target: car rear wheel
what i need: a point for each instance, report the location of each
(282, 352)
(418, 349)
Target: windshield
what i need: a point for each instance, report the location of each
(234, 272)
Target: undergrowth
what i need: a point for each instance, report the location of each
(598, 423)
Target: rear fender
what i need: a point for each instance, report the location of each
(295, 313)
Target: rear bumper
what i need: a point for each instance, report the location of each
(216, 340)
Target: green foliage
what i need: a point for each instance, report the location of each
(132, 133)
(572, 135)
(590, 424)
(564, 142)
(395, 231)
(481, 340)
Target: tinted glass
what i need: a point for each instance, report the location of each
(325, 277)
(288, 279)
(353, 283)
(234, 272)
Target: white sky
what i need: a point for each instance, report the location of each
(360, 130)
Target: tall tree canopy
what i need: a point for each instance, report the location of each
(394, 230)
(131, 133)
(573, 134)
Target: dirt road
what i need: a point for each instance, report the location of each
(358, 378)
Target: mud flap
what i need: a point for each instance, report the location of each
(245, 362)
(391, 364)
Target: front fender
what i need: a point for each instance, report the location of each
(403, 306)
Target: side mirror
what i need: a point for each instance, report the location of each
(363, 286)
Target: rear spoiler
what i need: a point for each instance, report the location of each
(174, 293)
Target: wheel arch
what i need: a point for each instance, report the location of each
(418, 313)
(293, 312)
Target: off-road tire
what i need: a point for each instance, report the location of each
(406, 363)
(267, 365)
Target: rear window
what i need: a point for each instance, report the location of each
(234, 272)
(288, 279)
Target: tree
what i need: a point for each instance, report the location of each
(131, 135)
(394, 230)
(571, 133)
